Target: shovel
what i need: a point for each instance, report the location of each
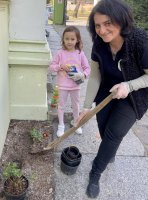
(88, 116)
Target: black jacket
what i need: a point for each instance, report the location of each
(132, 69)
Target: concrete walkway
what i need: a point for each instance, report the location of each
(125, 179)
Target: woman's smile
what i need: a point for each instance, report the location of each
(105, 28)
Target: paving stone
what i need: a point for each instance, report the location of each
(90, 140)
(126, 179)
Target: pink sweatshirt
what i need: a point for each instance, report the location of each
(75, 58)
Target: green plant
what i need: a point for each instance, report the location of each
(140, 8)
(33, 176)
(55, 96)
(11, 170)
(15, 182)
(36, 135)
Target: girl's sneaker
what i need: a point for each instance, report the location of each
(60, 131)
(79, 130)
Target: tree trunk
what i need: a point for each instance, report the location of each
(75, 13)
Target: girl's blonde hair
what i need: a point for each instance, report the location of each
(79, 44)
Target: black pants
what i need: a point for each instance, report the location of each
(114, 121)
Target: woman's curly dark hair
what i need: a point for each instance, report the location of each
(118, 11)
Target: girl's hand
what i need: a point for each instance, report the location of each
(77, 76)
(82, 115)
(120, 91)
(65, 67)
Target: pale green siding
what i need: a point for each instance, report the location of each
(28, 61)
(4, 78)
(24, 58)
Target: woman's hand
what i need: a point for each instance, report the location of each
(82, 115)
(120, 91)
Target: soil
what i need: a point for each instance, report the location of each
(36, 165)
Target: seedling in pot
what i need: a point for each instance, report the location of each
(11, 170)
(55, 97)
(15, 184)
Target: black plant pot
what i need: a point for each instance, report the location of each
(70, 160)
(20, 196)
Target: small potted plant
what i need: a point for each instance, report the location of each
(15, 184)
(55, 97)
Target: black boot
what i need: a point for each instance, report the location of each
(93, 186)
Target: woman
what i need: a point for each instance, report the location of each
(120, 66)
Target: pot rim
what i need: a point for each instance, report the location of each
(23, 192)
(65, 150)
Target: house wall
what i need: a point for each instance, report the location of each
(29, 57)
(24, 58)
(27, 20)
(4, 77)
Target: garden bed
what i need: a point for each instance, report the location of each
(36, 164)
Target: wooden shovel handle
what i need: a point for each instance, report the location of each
(88, 116)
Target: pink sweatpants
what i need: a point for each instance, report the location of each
(75, 98)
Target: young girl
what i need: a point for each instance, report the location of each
(72, 68)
